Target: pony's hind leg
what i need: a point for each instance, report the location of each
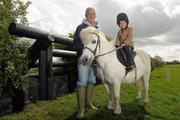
(116, 90)
(110, 96)
(139, 87)
(146, 88)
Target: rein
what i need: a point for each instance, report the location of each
(96, 56)
(99, 44)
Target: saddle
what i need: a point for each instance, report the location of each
(122, 56)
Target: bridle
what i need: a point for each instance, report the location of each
(99, 45)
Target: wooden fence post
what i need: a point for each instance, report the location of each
(42, 75)
(51, 93)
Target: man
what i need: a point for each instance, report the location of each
(86, 77)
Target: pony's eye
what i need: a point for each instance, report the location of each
(94, 41)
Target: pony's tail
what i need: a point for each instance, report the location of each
(145, 57)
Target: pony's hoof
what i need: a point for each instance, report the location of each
(146, 100)
(110, 107)
(117, 111)
(79, 116)
(138, 97)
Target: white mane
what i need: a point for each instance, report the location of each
(89, 30)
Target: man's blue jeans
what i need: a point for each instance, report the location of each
(85, 75)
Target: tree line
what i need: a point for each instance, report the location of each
(158, 62)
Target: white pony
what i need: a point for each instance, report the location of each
(111, 72)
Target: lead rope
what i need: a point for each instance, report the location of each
(96, 56)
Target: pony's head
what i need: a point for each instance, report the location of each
(91, 38)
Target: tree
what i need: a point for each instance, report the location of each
(13, 52)
(71, 35)
(158, 58)
(109, 38)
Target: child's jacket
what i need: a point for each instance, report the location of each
(125, 37)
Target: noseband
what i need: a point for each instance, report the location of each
(99, 44)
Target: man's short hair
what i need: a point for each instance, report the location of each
(89, 8)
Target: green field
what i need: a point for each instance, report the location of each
(164, 102)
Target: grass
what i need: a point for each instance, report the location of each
(164, 104)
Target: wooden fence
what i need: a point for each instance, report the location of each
(42, 50)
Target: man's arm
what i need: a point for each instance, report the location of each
(77, 43)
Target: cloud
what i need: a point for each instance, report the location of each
(155, 22)
(148, 20)
(56, 16)
(106, 15)
(169, 53)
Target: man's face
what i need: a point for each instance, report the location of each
(91, 15)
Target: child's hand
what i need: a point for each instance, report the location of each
(123, 44)
(116, 46)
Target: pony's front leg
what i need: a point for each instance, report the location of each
(139, 87)
(146, 88)
(116, 90)
(110, 96)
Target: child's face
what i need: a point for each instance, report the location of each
(122, 24)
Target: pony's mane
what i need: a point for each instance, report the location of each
(89, 30)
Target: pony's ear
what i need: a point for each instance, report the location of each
(97, 31)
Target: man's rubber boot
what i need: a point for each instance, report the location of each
(81, 101)
(89, 92)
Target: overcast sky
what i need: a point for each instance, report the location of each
(156, 23)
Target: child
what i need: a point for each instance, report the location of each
(124, 37)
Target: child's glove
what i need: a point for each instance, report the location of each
(116, 46)
(123, 44)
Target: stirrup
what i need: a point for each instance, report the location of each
(129, 68)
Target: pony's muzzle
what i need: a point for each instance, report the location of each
(85, 60)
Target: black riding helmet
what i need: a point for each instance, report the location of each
(122, 16)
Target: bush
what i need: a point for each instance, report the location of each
(14, 59)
